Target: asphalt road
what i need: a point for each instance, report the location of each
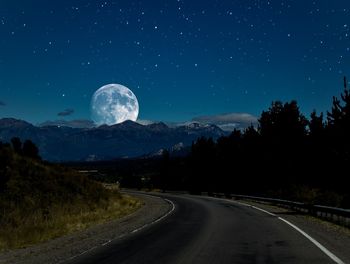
(203, 230)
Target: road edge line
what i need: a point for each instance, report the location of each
(129, 233)
(331, 255)
(314, 241)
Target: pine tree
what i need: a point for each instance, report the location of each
(283, 121)
(339, 117)
(316, 125)
(30, 150)
(17, 145)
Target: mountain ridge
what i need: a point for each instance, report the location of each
(127, 139)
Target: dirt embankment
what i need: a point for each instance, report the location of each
(64, 248)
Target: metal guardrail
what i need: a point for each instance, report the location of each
(333, 214)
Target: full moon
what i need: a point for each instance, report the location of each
(113, 104)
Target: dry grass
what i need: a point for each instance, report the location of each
(63, 220)
(41, 201)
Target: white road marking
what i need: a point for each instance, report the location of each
(244, 204)
(314, 241)
(257, 208)
(133, 231)
(157, 220)
(311, 239)
(106, 243)
(262, 210)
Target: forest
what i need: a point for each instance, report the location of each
(287, 156)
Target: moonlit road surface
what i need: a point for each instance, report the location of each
(203, 230)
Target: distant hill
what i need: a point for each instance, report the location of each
(127, 139)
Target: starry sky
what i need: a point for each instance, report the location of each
(181, 58)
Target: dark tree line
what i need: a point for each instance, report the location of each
(27, 149)
(287, 156)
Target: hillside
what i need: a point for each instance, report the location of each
(40, 201)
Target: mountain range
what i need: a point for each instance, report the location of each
(125, 140)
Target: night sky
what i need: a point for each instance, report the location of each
(181, 58)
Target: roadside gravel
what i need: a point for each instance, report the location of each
(63, 248)
(334, 237)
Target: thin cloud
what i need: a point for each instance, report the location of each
(66, 112)
(229, 121)
(145, 122)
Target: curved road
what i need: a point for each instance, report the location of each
(205, 230)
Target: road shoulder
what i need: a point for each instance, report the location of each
(334, 237)
(64, 248)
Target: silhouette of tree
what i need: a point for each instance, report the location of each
(270, 119)
(339, 117)
(229, 147)
(283, 133)
(30, 150)
(315, 151)
(17, 145)
(339, 122)
(162, 179)
(338, 140)
(251, 134)
(202, 163)
(283, 121)
(316, 125)
(6, 160)
(336, 114)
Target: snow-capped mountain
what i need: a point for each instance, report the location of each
(127, 139)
